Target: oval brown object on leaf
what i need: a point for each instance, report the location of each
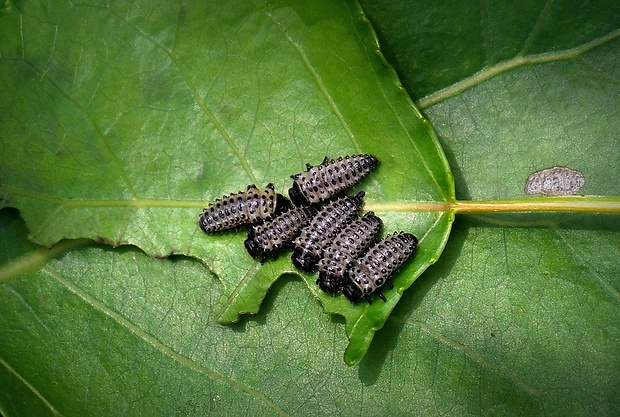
(556, 181)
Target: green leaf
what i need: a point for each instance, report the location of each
(108, 332)
(518, 317)
(139, 126)
(537, 96)
(437, 47)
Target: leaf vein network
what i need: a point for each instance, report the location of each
(470, 353)
(319, 82)
(161, 347)
(43, 76)
(194, 92)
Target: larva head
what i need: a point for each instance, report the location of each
(352, 292)
(297, 197)
(252, 247)
(329, 283)
(282, 204)
(304, 260)
(373, 161)
(359, 198)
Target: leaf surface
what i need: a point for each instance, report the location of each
(155, 114)
(518, 317)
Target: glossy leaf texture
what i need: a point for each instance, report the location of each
(125, 120)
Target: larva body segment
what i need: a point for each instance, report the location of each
(351, 242)
(321, 182)
(276, 233)
(244, 207)
(330, 219)
(370, 272)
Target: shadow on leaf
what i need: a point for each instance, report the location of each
(386, 339)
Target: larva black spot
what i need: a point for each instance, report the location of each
(242, 208)
(324, 181)
(369, 273)
(275, 233)
(324, 226)
(555, 181)
(350, 242)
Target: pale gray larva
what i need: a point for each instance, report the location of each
(555, 181)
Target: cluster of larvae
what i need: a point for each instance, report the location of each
(322, 225)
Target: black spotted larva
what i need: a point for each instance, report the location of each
(324, 181)
(329, 220)
(242, 208)
(275, 233)
(350, 242)
(370, 272)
